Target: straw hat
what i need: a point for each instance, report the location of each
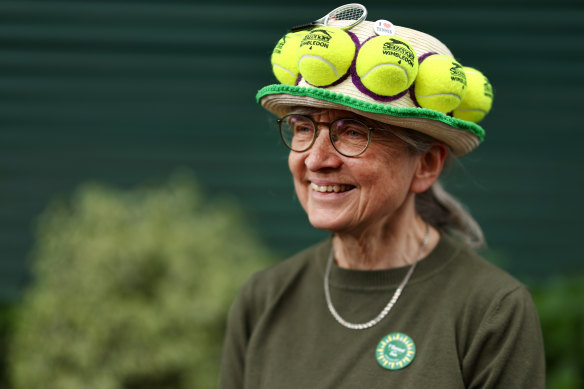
(401, 110)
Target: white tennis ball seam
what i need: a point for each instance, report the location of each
(438, 94)
(284, 69)
(308, 56)
(387, 64)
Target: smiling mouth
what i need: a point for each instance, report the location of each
(331, 188)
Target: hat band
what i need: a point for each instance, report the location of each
(352, 102)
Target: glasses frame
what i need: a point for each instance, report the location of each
(316, 133)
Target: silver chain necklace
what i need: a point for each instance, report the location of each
(390, 304)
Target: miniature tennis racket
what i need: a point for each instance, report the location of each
(344, 17)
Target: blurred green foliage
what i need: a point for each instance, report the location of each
(6, 325)
(561, 308)
(131, 289)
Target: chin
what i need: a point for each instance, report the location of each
(326, 222)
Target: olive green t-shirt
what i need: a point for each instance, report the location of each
(460, 322)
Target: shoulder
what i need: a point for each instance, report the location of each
(468, 268)
(474, 288)
(268, 285)
(482, 297)
(286, 270)
(499, 335)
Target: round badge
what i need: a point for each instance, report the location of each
(384, 27)
(395, 351)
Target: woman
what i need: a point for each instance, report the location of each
(397, 297)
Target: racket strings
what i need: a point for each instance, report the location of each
(347, 14)
(345, 17)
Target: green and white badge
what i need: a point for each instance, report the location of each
(395, 351)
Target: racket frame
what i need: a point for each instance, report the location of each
(324, 21)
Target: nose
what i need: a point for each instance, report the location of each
(322, 154)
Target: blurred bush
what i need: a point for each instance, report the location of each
(561, 308)
(6, 324)
(131, 289)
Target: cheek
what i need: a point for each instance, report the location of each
(295, 165)
(394, 170)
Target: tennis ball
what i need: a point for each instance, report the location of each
(325, 55)
(441, 83)
(284, 64)
(387, 65)
(478, 98)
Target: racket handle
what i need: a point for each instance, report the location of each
(301, 27)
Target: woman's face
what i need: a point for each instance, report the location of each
(342, 194)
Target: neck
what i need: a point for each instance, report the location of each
(390, 243)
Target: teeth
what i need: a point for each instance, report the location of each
(330, 188)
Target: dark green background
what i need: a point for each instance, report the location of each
(126, 92)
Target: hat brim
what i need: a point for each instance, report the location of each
(460, 135)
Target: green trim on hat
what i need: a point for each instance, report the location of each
(339, 98)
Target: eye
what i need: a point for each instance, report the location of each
(302, 128)
(298, 125)
(351, 130)
(354, 133)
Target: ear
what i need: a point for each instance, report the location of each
(430, 166)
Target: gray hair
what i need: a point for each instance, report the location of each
(436, 206)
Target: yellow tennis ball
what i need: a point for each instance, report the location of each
(387, 65)
(325, 55)
(441, 83)
(478, 98)
(284, 64)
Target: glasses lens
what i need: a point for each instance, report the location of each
(297, 132)
(350, 137)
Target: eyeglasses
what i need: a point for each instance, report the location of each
(350, 137)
